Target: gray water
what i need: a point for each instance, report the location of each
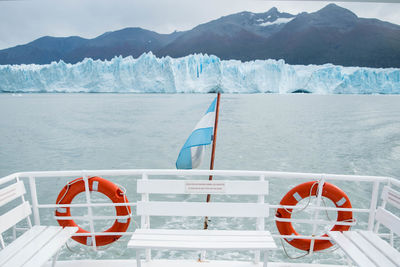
(346, 134)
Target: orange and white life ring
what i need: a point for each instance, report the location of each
(308, 189)
(112, 191)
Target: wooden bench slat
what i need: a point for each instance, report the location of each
(382, 246)
(31, 248)
(202, 232)
(391, 196)
(11, 192)
(184, 245)
(388, 219)
(201, 239)
(198, 236)
(15, 215)
(18, 244)
(210, 238)
(369, 249)
(350, 249)
(51, 247)
(211, 209)
(226, 187)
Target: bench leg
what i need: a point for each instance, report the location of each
(349, 261)
(257, 257)
(265, 259)
(138, 264)
(55, 257)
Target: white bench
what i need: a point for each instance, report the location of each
(37, 245)
(178, 239)
(366, 248)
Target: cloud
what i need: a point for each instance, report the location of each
(23, 21)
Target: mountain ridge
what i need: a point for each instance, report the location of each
(330, 35)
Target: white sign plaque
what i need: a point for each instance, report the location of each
(204, 187)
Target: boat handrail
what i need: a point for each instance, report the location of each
(232, 173)
(376, 182)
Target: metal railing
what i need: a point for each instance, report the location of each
(376, 182)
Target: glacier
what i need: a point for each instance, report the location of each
(196, 73)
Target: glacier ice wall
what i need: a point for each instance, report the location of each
(196, 74)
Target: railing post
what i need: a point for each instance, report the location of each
(260, 226)
(32, 186)
(372, 208)
(90, 213)
(316, 212)
(145, 219)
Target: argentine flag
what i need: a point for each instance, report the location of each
(192, 151)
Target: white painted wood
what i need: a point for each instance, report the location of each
(202, 232)
(369, 249)
(138, 262)
(265, 263)
(31, 248)
(178, 187)
(201, 239)
(2, 244)
(350, 249)
(36, 246)
(388, 219)
(11, 192)
(18, 244)
(205, 238)
(51, 247)
(14, 216)
(382, 246)
(391, 196)
(211, 209)
(185, 245)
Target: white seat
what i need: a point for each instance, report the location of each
(37, 245)
(177, 239)
(366, 248)
(202, 239)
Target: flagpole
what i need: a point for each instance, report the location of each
(213, 153)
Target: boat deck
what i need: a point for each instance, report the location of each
(176, 263)
(370, 213)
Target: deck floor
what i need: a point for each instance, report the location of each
(180, 263)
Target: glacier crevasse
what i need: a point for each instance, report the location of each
(196, 74)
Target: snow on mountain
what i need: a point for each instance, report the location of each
(196, 74)
(277, 21)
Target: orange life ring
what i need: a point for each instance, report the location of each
(112, 191)
(334, 193)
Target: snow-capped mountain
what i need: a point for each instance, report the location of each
(331, 35)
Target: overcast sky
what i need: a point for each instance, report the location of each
(24, 21)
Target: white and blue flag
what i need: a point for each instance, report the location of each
(192, 151)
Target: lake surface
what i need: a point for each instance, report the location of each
(352, 134)
(345, 134)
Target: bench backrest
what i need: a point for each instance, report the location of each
(16, 214)
(385, 217)
(215, 209)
